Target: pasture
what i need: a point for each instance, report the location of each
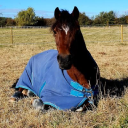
(110, 54)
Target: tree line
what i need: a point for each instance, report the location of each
(29, 18)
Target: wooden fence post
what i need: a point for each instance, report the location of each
(11, 36)
(122, 33)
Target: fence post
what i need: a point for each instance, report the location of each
(11, 36)
(122, 33)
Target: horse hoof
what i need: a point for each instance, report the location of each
(79, 109)
(38, 104)
(13, 99)
(17, 95)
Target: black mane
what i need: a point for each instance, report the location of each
(65, 18)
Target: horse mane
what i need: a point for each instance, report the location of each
(64, 18)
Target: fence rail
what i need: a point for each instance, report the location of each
(39, 34)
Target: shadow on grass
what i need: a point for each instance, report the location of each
(113, 87)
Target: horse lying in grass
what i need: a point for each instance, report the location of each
(66, 78)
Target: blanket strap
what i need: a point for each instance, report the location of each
(82, 92)
(78, 87)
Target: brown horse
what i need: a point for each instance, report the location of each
(72, 52)
(73, 55)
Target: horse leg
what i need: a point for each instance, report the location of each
(21, 93)
(17, 95)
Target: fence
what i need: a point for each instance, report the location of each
(31, 34)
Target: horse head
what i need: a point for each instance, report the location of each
(65, 29)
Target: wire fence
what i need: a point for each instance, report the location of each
(39, 34)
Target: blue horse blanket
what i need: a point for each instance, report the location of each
(44, 78)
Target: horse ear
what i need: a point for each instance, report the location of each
(57, 13)
(75, 13)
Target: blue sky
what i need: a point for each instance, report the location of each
(45, 8)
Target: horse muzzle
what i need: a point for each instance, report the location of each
(65, 61)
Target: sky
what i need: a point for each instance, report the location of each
(45, 8)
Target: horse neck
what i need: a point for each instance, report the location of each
(79, 46)
(80, 52)
(76, 72)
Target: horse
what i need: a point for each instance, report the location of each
(66, 78)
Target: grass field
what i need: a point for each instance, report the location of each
(43, 35)
(106, 48)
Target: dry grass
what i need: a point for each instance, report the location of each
(111, 112)
(42, 35)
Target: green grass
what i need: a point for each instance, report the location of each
(112, 58)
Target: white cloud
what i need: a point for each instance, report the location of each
(13, 12)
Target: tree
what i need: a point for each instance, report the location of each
(122, 20)
(2, 21)
(126, 17)
(111, 16)
(104, 18)
(25, 18)
(83, 19)
(40, 21)
(49, 21)
(10, 22)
